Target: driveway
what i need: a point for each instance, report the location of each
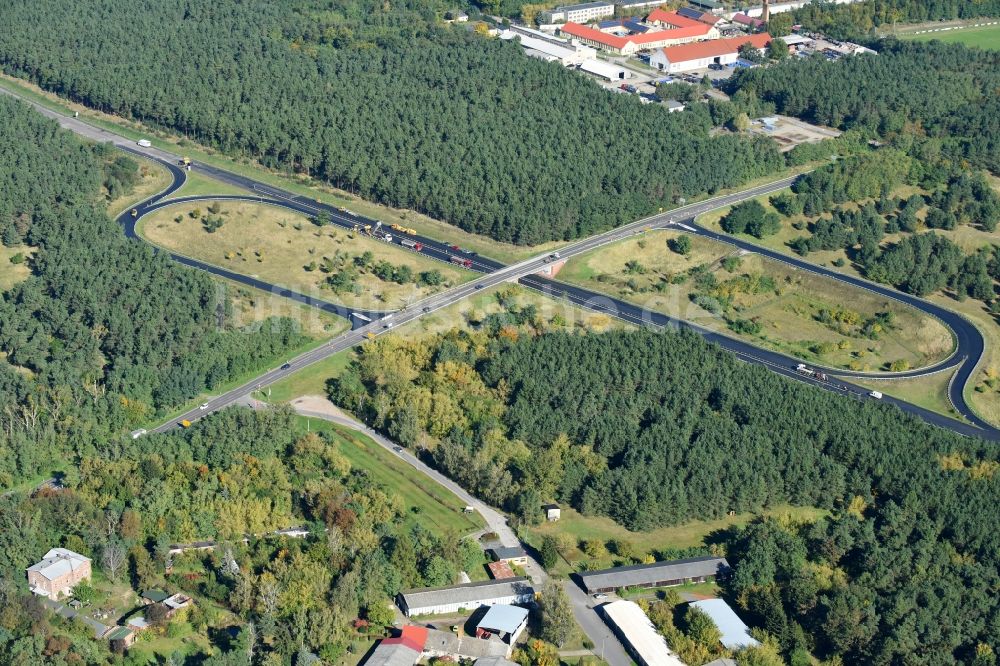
(65, 611)
(606, 645)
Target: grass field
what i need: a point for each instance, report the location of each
(984, 37)
(279, 246)
(788, 312)
(424, 501)
(930, 392)
(312, 379)
(153, 178)
(696, 533)
(10, 273)
(253, 305)
(197, 184)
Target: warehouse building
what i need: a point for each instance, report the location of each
(735, 634)
(638, 635)
(469, 596)
(582, 13)
(605, 70)
(659, 574)
(690, 57)
(636, 6)
(662, 29)
(537, 44)
(503, 621)
(710, 6)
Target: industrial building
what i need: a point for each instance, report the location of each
(540, 45)
(689, 57)
(605, 70)
(582, 13)
(468, 596)
(658, 574)
(638, 635)
(457, 646)
(710, 6)
(636, 6)
(735, 634)
(660, 29)
(403, 650)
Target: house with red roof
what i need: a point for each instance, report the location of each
(700, 55)
(664, 29)
(403, 650)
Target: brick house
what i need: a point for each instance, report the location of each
(58, 573)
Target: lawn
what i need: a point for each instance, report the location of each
(645, 271)
(286, 248)
(11, 273)
(930, 392)
(153, 179)
(579, 528)
(984, 37)
(251, 305)
(425, 502)
(312, 379)
(197, 184)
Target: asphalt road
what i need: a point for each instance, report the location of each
(969, 342)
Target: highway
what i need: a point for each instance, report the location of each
(969, 344)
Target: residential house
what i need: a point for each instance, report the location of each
(58, 573)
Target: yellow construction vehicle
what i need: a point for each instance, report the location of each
(185, 161)
(412, 232)
(397, 227)
(368, 229)
(370, 335)
(185, 423)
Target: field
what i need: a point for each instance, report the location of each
(310, 380)
(285, 248)
(153, 178)
(425, 502)
(983, 392)
(787, 305)
(253, 305)
(984, 37)
(197, 184)
(575, 528)
(12, 273)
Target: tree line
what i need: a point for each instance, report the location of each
(860, 19)
(385, 102)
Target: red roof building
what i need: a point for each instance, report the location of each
(500, 569)
(673, 29)
(702, 54)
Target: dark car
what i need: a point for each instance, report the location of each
(716, 66)
(286, 366)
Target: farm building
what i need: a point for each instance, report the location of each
(661, 29)
(638, 635)
(58, 573)
(453, 599)
(690, 57)
(659, 574)
(403, 650)
(500, 570)
(505, 622)
(735, 634)
(457, 647)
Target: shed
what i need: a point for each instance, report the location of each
(552, 512)
(500, 570)
(735, 634)
(505, 621)
(153, 597)
(120, 638)
(658, 574)
(509, 554)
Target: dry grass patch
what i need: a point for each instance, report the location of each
(153, 179)
(285, 248)
(800, 313)
(12, 272)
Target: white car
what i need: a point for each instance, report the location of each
(144, 143)
(203, 405)
(875, 394)
(600, 597)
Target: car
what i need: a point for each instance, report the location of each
(397, 449)
(286, 366)
(600, 597)
(480, 285)
(203, 405)
(453, 247)
(427, 309)
(875, 394)
(387, 325)
(715, 66)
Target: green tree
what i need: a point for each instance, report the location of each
(557, 614)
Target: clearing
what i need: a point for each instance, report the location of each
(574, 528)
(424, 501)
(772, 305)
(287, 249)
(12, 272)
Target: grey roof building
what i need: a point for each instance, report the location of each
(658, 574)
(432, 600)
(494, 661)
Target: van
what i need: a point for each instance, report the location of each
(144, 143)
(875, 394)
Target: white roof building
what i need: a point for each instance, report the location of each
(546, 47)
(735, 634)
(58, 562)
(638, 635)
(605, 70)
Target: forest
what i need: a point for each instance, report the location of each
(854, 20)
(104, 334)
(657, 428)
(383, 101)
(234, 473)
(936, 101)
